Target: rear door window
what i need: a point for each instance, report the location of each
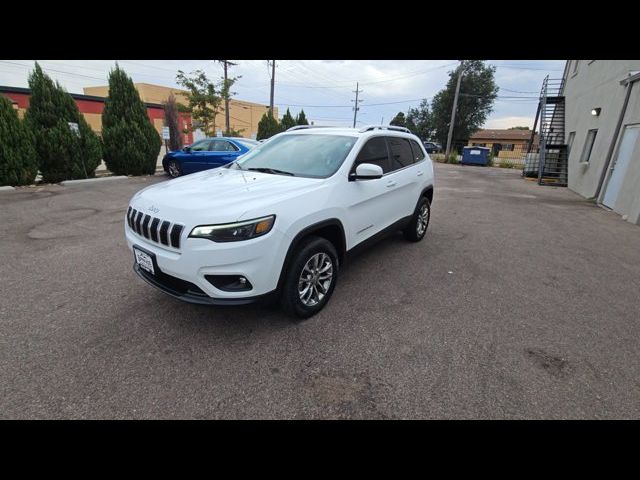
(223, 146)
(401, 153)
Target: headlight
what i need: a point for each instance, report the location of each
(233, 232)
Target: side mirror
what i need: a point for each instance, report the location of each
(187, 149)
(367, 171)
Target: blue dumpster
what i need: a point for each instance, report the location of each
(475, 156)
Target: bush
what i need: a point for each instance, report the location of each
(453, 158)
(62, 154)
(438, 157)
(130, 143)
(507, 164)
(18, 163)
(491, 162)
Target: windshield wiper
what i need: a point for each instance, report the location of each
(235, 162)
(271, 170)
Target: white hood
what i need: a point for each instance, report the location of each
(220, 195)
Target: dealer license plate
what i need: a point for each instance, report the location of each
(144, 260)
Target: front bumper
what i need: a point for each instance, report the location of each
(182, 273)
(186, 292)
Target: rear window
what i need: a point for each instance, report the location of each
(247, 143)
(418, 154)
(401, 153)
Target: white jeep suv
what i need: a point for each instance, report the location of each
(280, 219)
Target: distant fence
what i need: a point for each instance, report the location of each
(501, 154)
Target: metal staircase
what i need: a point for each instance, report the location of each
(550, 165)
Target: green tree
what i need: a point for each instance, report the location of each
(171, 120)
(130, 142)
(301, 119)
(287, 121)
(519, 128)
(18, 165)
(419, 120)
(63, 152)
(478, 92)
(204, 102)
(399, 120)
(268, 126)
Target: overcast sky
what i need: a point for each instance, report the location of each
(324, 89)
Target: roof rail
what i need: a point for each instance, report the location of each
(302, 127)
(384, 127)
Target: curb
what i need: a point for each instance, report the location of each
(89, 180)
(7, 189)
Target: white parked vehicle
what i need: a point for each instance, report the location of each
(281, 219)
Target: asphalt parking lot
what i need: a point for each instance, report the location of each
(521, 302)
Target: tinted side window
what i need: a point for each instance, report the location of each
(375, 152)
(418, 154)
(401, 154)
(200, 146)
(222, 146)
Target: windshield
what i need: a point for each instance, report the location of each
(317, 156)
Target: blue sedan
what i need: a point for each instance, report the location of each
(205, 154)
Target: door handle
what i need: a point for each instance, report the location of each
(391, 184)
(420, 174)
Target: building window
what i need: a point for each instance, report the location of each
(572, 135)
(588, 145)
(508, 147)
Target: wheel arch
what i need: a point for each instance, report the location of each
(330, 229)
(428, 193)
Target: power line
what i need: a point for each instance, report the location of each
(349, 106)
(527, 68)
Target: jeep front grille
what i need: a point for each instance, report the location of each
(154, 229)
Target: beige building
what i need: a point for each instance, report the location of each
(505, 144)
(243, 116)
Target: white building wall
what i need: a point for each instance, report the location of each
(596, 84)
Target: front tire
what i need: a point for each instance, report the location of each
(173, 169)
(417, 228)
(311, 278)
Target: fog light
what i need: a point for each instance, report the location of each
(229, 283)
(596, 111)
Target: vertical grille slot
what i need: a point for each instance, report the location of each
(137, 223)
(129, 216)
(154, 229)
(175, 235)
(145, 225)
(164, 230)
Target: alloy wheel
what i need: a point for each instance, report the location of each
(315, 279)
(423, 220)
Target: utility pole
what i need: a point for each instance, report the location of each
(356, 107)
(453, 110)
(226, 63)
(273, 80)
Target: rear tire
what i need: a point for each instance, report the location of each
(311, 277)
(417, 228)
